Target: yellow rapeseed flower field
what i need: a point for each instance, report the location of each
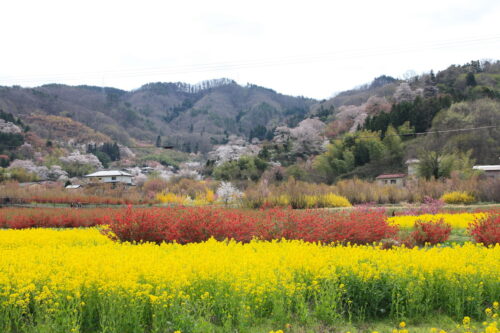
(80, 281)
(457, 221)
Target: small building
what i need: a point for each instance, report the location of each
(491, 171)
(110, 176)
(397, 179)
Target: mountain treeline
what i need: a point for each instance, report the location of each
(362, 132)
(189, 117)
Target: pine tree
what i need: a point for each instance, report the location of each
(116, 151)
(470, 80)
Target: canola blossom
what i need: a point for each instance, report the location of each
(456, 221)
(77, 280)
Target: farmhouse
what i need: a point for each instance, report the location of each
(397, 179)
(492, 171)
(110, 176)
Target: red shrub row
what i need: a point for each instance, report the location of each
(196, 224)
(21, 218)
(84, 199)
(186, 225)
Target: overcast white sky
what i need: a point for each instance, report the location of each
(310, 48)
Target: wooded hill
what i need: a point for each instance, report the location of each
(449, 120)
(386, 125)
(190, 117)
(194, 118)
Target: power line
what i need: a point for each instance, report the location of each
(146, 147)
(434, 132)
(457, 130)
(270, 62)
(132, 147)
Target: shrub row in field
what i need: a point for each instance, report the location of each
(86, 200)
(186, 225)
(196, 224)
(22, 218)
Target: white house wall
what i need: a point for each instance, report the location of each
(109, 179)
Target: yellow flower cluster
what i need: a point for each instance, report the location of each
(201, 199)
(67, 278)
(171, 198)
(329, 200)
(458, 197)
(457, 221)
(333, 200)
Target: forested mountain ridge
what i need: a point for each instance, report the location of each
(191, 117)
(370, 129)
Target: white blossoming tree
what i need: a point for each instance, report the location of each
(228, 193)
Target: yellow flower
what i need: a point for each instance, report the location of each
(458, 197)
(492, 328)
(45, 267)
(456, 221)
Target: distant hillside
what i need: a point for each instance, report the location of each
(386, 123)
(382, 86)
(55, 128)
(191, 117)
(194, 118)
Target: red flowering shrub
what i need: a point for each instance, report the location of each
(197, 224)
(431, 232)
(82, 199)
(181, 224)
(486, 231)
(21, 218)
(355, 226)
(138, 225)
(186, 225)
